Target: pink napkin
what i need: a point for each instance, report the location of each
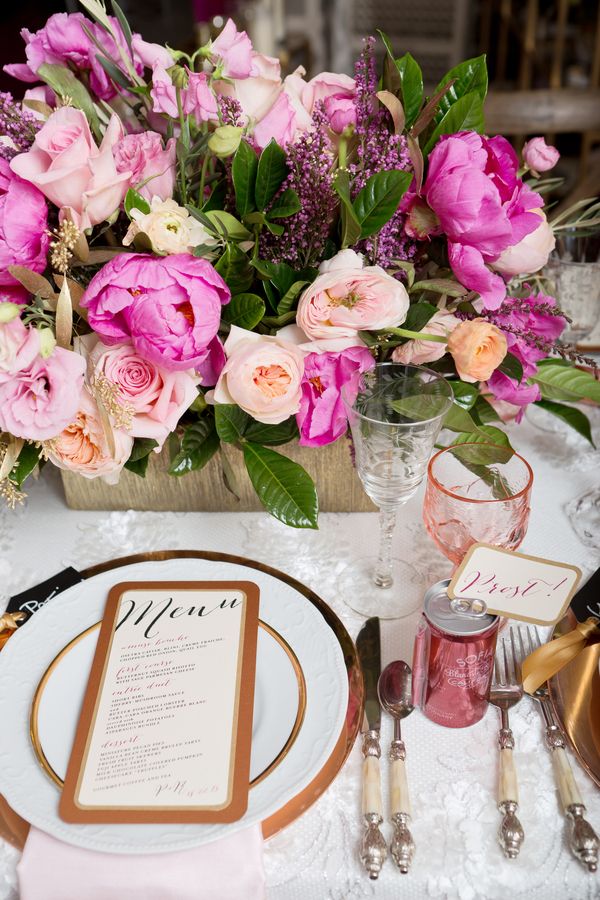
(228, 869)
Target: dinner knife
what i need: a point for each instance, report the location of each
(373, 848)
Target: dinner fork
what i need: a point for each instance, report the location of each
(583, 840)
(507, 690)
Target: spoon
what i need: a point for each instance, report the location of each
(395, 695)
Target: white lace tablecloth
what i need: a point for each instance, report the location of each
(452, 773)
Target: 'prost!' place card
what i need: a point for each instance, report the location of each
(512, 584)
(166, 725)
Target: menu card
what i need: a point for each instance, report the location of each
(166, 724)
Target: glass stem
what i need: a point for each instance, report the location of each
(383, 569)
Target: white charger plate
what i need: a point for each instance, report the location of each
(26, 657)
(279, 703)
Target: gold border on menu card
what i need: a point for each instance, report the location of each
(34, 727)
(356, 693)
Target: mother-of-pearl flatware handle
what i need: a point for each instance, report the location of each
(510, 834)
(402, 847)
(373, 849)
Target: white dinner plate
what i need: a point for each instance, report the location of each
(29, 653)
(278, 710)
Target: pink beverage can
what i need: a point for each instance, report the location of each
(453, 660)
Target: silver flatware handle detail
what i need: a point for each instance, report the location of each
(402, 847)
(373, 849)
(510, 833)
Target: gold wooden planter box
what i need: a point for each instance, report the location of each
(331, 468)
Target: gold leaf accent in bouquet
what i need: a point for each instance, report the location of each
(77, 292)
(34, 283)
(64, 240)
(9, 453)
(107, 393)
(395, 109)
(64, 316)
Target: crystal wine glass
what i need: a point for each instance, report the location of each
(395, 421)
(477, 493)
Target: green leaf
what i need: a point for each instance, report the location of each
(465, 115)
(272, 434)
(560, 382)
(571, 415)
(234, 267)
(470, 76)
(378, 200)
(243, 171)
(483, 411)
(512, 367)
(133, 200)
(199, 444)
(26, 462)
(441, 286)
(284, 488)
(120, 16)
(464, 394)
(113, 71)
(419, 315)
(63, 82)
(227, 226)
(486, 434)
(285, 205)
(141, 448)
(244, 310)
(481, 459)
(411, 80)
(271, 171)
(217, 197)
(274, 228)
(422, 407)
(289, 298)
(138, 466)
(350, 224)
(282, 275)
(460, 420)
(231, 422)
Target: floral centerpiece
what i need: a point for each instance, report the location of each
(194, 250)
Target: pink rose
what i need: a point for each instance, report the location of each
(482, 206)
(82, 446)
(420, 352)
(322, 417)
(347, 297)
(256, 94)
(170, 308)
(157, 397)
(540, 156)
(199, 99)
(152, 168)
(530, 254)
(71, 170)
(232, 52)
(337, 93)
(263, 375)
(279, 123)
(19, 346)
(478, 348)
(163, 93)
(23, 224)
(41, 400)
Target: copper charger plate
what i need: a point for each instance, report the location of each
(575, 695)
(14, 829)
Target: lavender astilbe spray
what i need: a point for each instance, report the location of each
(310, 163)
(18, 127)
(378, 150)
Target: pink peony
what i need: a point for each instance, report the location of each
(156, 396)
(41, 400)
(322, 417)
(231, 51)
(420, 352)
(152, 168)
(540, 156)
(19, 347)
(481, 205)
(199, 99)
(530, 254)
(337, 92)
(23, 224)
(169, 307)
(71, 170)
(263, 375)
(82, 446)
(348, 297)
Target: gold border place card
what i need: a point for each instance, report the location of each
(166, 724)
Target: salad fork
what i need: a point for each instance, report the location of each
(507, 690)
(583, 840)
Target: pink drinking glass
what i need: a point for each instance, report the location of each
(477, 493)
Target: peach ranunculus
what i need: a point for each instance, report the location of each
(478, 348)
(69, 168)
(263, 375)
(82, 446)
(530, 254)
(348, 297)
(419, 352)
(155, 398)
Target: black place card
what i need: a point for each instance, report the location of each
(586, 601)
(34, 598)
